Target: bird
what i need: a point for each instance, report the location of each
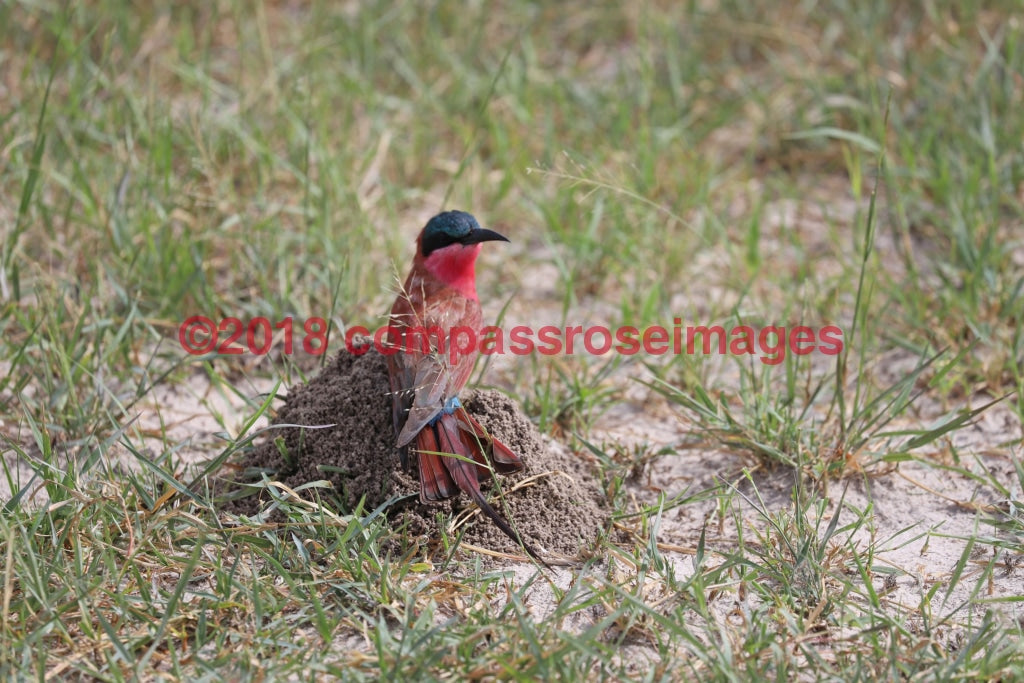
(454, 452)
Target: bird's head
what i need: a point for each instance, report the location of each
(452, 230)
(448, 247)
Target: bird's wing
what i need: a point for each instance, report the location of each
(401, 375)
(429, 390)
(422, 382)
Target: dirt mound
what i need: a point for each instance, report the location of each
(556, 502)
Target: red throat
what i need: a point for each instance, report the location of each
(454, 266)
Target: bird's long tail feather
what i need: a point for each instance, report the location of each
(442, 475)
(503, 459)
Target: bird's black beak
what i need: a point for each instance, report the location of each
(483, 235)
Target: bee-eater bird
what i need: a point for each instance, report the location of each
(454, 452)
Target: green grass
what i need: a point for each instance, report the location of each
(269, 159)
